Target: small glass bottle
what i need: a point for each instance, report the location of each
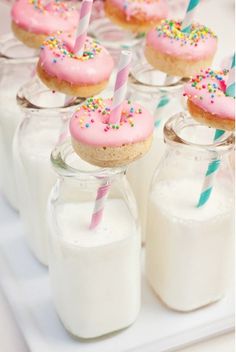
(43, 126)
(189, 247)
(94, 272)
(159, 94)
(16, 67)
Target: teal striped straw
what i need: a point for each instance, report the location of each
(214, 165)
(187, 21)
(163, 101)
(210, 174)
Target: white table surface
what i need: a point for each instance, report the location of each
(212, 14)
(11, 339)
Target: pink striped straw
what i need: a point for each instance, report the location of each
(85, 13)
(120, 86)
(102, 194)
(116, 110)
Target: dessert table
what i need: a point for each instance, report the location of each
(13, 322)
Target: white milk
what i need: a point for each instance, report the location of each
(95, 275)
(10, 115)
(188, 249)
(140, 174)
(13, 74)
(35, 178)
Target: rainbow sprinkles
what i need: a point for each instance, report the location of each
(57, 7)
(172, 29)
(100, 106)
(60, 49)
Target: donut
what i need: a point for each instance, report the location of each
(136, 15)
(177, 53)
(63, 71)
(107, 145)
(207, 101)
(34, 20)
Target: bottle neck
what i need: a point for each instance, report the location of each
(68, 164)
(13, 50)
(34, 97)
(149, 80)
(187, 137)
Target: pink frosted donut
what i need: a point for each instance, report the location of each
(62, 70)
(34, 20)
(136, 15)
(180, 54)
(108, 145)
(207, 101)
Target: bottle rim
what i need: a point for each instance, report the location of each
(33, 88)
(99, 28)
(162, 82)
(22, 54)
(59, 159)
(172, 137)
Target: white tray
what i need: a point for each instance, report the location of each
(26, 285)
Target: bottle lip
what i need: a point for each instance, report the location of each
(182, 120)
(102, 30)
(13, 52)
(59, 159)
(34, 89)
(140, 78)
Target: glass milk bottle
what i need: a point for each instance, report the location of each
(158, 94)
(44, 124)
(189, 247)
(16, 67)
(94, 256)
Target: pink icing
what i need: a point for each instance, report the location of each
(58, 60)
(207, 91)
(149, 9)
(89, 125)
(45, 16)
(168, 39)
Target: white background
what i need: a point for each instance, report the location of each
(219, 15)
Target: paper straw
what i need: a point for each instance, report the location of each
(102, 194)
(64, 131)
(188, 19)
(210, 175)
(85, 13)
(163, 101)
(214, 165)
(116, 110)
(120, 86)
(33, 73)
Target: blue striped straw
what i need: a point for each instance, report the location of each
(187, 21)
(210, 174)
(163, 101)
(214, 165)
